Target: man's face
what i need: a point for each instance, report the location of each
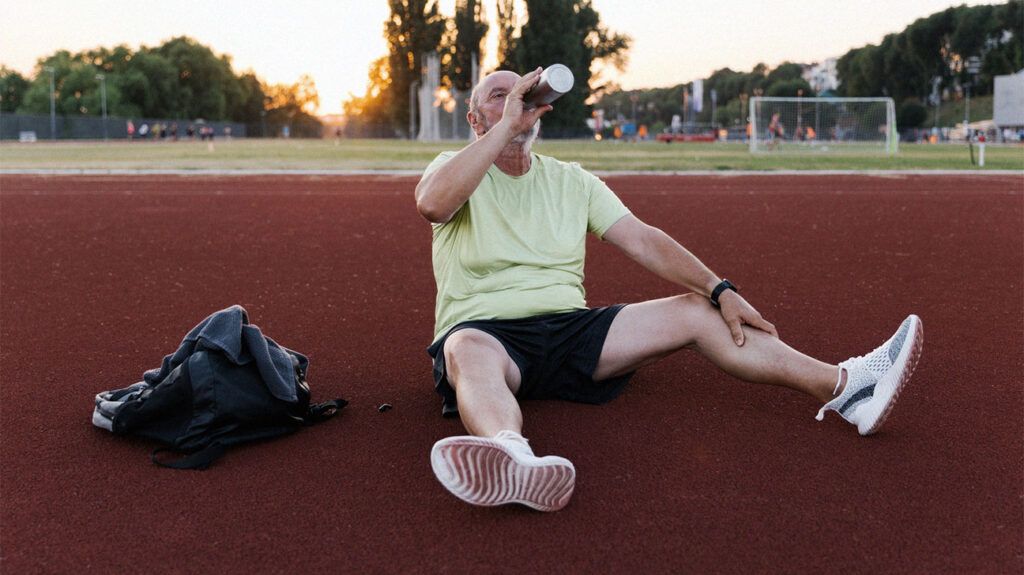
(491, 105)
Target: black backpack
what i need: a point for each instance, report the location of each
(226, 384)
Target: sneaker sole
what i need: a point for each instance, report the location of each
(483, 472)
(908, 357)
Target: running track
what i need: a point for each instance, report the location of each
(689, 471)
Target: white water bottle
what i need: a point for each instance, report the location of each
(555, 81)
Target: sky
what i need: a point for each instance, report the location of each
(335, 41)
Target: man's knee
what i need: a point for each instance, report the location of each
(472, 350)
(692, 305)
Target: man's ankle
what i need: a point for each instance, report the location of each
(841, 384)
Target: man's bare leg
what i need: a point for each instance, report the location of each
(495, 466)
(645, 332)
(485, 380)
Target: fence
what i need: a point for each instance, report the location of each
(12, 126)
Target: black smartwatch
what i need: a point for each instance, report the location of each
(721, 287)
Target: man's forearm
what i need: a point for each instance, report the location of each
(441, 194)
(671, 261)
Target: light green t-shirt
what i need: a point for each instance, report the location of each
(516, 247)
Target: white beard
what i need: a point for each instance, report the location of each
(524, 140)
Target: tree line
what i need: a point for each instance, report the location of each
(179, 79)
(569, 32)
(928, 60)
(907, 66)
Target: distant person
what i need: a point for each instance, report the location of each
(190, 132)
(143, 131)
(775, 130)
(174, 131)
(130, 128)
(227, 132)
(512, 322)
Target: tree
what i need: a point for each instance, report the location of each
(568, 32)
(253, 101)
(12, 89)
(790, 89)
(414, 27)
(939, 46)
(507, 30)
(148, 83)
(784, 72)
(368, 115)
(179, 79)
(470, 28)
(206, 84)
(911, 114)
(293, 105)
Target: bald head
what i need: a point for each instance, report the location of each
(502, 79)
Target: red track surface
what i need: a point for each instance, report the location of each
(687, 471)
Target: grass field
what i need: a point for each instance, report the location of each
(405, 155)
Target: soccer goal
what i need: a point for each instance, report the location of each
(866, 125)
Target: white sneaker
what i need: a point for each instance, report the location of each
(502, 469)
(873, 381)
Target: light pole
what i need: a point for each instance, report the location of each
(103, 96)
(714, 111)
(53, 104)
(973, 66)
(799, 110)
(412, 109)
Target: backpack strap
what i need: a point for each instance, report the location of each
(199, 460)
(319, 412)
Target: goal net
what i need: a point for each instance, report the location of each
(866, 125)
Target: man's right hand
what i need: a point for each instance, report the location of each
(516, 119)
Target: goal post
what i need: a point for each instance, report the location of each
(865, 125)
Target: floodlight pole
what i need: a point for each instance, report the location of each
(973, 67)
(53, 104)
(799, 100)
(967, 112)
(103, 96)
(412, 109)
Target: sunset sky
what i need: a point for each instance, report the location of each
(334, 41)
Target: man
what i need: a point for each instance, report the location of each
(509, 231)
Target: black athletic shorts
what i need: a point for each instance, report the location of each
(556, 354)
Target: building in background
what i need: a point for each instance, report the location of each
(1008, 106)
(822, 76)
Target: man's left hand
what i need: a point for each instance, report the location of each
(737, 312)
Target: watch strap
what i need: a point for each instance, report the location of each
(721, 287)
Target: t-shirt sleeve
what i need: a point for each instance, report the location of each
(438, 162)
(605, 207)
